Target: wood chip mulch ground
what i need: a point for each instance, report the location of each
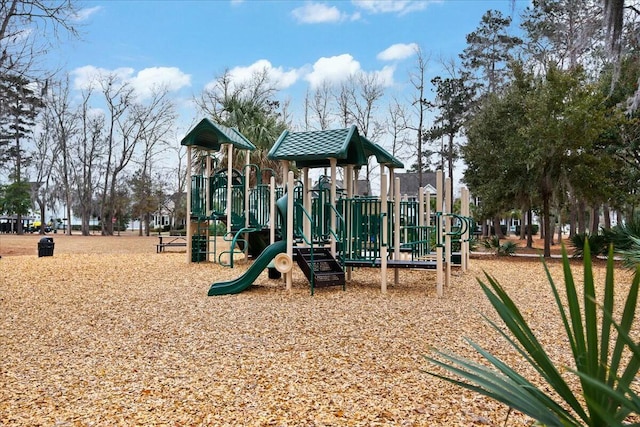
(108, 333)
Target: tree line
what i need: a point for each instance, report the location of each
(553, 129)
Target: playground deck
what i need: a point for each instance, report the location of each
(393, 263)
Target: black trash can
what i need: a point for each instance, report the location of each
(45, 247)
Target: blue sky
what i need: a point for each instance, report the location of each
(187, 44)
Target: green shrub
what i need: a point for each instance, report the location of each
(631, 256)
(507, 248)
(622, 235)
(606, 396)
(491, 243)
(598, 244)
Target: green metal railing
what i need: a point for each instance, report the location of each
(300, 212)
(197, 195)
(235, 241)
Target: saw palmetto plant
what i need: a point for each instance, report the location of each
(606, 358)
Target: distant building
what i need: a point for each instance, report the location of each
(169, 215)
(409, 183)
(363, 187)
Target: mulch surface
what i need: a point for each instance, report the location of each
(106, 332)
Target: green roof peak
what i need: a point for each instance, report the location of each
(211, 136)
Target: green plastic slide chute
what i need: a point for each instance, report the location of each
(243, 282)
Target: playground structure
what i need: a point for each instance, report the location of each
(327, 230)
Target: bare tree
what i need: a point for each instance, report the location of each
(28, 29)
(43, 161)
(364, 92)
(158, 121)
(176, 203)
(64, 127)
(321, 105)
(118, 98)
(420, 105)
(141, 123)
(398, 127)
(343, 98)
(88, 151)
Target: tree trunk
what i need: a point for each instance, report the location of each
(529, 228)
(546, 221)
(497, 228)
(595, 220)
(43, 220)
(559, 241)
(147, 223)
(69, 231)
(559, 228)
(507, 221)
(523, 220)
(86, 224)
(582, 222)
(607, 216)
(573, 216)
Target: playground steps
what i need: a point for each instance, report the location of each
(327, 271)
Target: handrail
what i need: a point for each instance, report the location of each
(258, 172)
(309, 241)
(234, 241)
(416, 244)
(299, 229)
(464, 221)
(341, 221)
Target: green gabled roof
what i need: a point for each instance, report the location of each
(314, 148)
(211, 136)
(382, 156)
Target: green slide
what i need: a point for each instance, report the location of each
(243, 282)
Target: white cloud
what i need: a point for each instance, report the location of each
(143, 83)
(385, 76)
(332, 70)
(88, 76)
(401, 7)
(86, 13)
(338, 69)
(149, 79)
(317, 13)
(398, 51)
(280, 78)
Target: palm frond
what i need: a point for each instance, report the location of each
(606, 396)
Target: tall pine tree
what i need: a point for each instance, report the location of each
(18, 109)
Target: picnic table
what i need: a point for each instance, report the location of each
(175, 241)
